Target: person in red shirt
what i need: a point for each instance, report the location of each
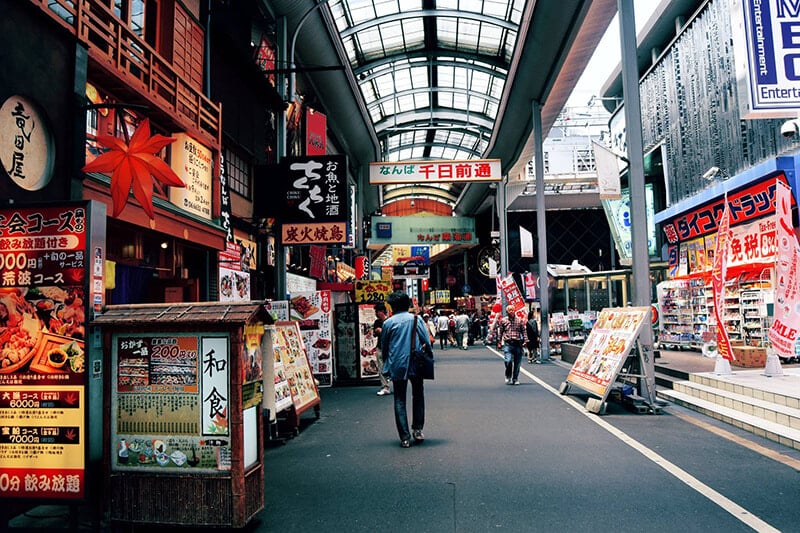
(511, 337)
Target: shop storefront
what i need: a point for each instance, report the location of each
(686, 299)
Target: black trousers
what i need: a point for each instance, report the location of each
(400, 411)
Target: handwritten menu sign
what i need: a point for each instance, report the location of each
(43, 253)
(192, 162)
(170, 396)
(606, 349)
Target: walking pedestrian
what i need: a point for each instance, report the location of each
(511, 337)
(462, 330)
(532, 329)
(430, 326)
(377, 327)
(396, 343)
(442, 326)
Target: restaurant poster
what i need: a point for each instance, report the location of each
(313, 312)
(369, 362)
(346, 327)
(289, 345)
(170, 399)
(234, 274)
(605, 351)
(48, 255)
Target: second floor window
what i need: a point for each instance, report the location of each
(239, 172)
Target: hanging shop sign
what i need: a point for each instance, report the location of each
(765, 50)
(618, 214)
(749, 203)
(372, 291)
(224, 199)
(747, 245)
(421, 172)
(402, 254)
(192, 161)
(316, 128)
(27, 151)
(53, 275)
(315, 194)
(438, 297)
(368, 362)
(427, 230)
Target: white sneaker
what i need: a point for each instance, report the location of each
(384, 392)
(508, 381)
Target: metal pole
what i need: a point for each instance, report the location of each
(502, 215)
(541, 232)
(633, 120)
(292, 45)
(280, 253)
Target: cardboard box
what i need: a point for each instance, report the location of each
(749, 357)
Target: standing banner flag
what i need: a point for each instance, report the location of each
(718, 271)
(514, 297)
(530, 286)
(783, 333)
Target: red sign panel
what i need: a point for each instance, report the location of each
(316, 129)
(753, 202)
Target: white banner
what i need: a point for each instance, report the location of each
(607, 165)
(525, 242)
(783, 333)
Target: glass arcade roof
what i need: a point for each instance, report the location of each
(431, 72)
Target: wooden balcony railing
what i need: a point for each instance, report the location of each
(127, 58)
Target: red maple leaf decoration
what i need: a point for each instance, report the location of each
(70, 434)
(71, 399)
(133, 165)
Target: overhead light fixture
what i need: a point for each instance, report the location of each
(164, 245)
(412, 203)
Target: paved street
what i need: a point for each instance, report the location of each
(525, 458)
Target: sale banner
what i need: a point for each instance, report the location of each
(783, 333)
(718, 270)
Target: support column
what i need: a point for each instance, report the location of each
(633, 120)
(541, 231)
(280, 252)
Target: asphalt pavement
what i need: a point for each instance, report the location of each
(521, 458)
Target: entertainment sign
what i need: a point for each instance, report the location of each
(767, 52)
(421, 172)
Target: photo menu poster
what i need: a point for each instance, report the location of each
(313, 312)
(369, 361)
(170, 396)
(605, 351)
(288, 343)
(50, 256)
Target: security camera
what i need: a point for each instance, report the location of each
(711, 173)
(790, 128)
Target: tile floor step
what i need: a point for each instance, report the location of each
(783, 390)
(758, 426)
(769, 411)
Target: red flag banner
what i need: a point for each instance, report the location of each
(718, 283)
(783, 333)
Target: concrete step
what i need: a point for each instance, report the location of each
(784, 390)
(774, 431)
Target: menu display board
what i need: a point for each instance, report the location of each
(170, 395)
(313, 312)
(605, 351)
(288, 345)
(368, 343)
(46, 260)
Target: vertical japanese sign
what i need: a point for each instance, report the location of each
(316, 200)
(170, 398)
(718, 271)
(316, 132)
(531, 282)
(784, 330)
(46, 261)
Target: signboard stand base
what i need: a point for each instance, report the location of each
(639, 371)
(722, 367)
(596, 405)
